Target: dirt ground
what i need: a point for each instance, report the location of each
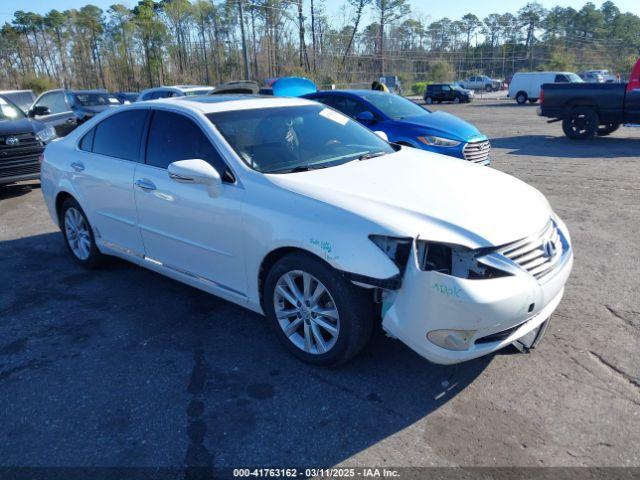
(123, 367)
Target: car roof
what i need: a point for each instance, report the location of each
(224, 103)
(357, 93)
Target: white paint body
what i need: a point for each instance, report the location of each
(218, 243)
(531, 82)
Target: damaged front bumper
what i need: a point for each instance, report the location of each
(449, 320)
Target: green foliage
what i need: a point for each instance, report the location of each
(560, 60)
(419, 88)
(37, 84)
(441, 72)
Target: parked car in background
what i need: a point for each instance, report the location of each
(246, 87)
(174, 91)
(526, 86)
(393, 83)
(606, 76)
(127, 97)
(64, 110)
(22, 141)
(590, 109)
(447, 92)
(295, 211)
(407, 123)
(481, 82)
(591, 77)
(22, 98)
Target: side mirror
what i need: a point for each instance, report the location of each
(366, 117)
(196, 171)
(382, 135)
(39, 111)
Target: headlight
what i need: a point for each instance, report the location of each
(455, 260)
(47, 134)
(434, 141)
(397, 249)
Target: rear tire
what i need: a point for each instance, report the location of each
(607, 129)
(329, 338)
(533, 100)
(78, 235)
(581, 123)
(521, 98)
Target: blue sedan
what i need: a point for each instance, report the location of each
(407, 123)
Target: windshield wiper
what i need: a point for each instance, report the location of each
(299, 168)
(367, 156)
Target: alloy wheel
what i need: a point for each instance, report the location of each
(306, 312)
(77, 233)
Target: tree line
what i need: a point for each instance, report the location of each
(209, 42)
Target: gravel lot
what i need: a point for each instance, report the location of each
(123, 367)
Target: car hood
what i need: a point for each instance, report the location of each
(423, 194)
(24, 125)
(443, 123)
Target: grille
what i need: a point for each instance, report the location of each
(28, 146)
(19, 166)
(477, 152)
(538, 254)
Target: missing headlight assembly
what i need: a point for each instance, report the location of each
(455, 260)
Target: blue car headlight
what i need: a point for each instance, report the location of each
(433, 141)
(47, 134)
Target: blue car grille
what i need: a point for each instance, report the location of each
(477, 152)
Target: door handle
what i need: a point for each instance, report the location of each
(146, 185)
(77, 166)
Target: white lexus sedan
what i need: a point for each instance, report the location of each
(293, 210)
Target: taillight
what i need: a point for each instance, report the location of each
(541, 96)
(41, 158)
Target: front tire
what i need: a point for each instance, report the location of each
(456, 100)
(318, 316)
(581, 123)
(78, 235)
(428, 100)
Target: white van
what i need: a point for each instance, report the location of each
(527, 85)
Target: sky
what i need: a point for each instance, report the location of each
(428, 9)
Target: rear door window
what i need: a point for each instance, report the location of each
(561, 79)
(119, 135)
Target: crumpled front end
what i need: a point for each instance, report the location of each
(448, 319)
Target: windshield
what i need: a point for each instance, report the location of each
(202, 91)
(286, 139)
(394, 106)
(455, 86)
(95, 99)
(573, 78)
(8, 111)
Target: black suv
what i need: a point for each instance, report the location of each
(64, 110)
(447, 92)
(21, 143)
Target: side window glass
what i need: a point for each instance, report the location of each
(54, 101)
(119, 135)
(174, 137)
(561, 79)
(86, 143)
